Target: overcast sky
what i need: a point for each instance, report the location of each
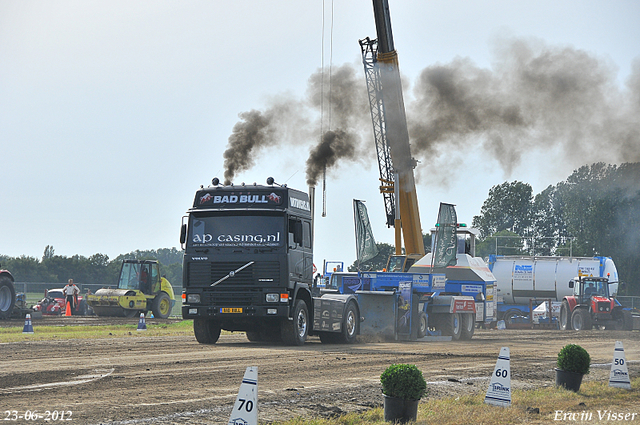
(112, 113)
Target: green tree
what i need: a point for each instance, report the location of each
(508, 207)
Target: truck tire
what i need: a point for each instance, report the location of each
(206, 331)
(161, 305)
(294, 332)
(468, 326)
(565, 316)
(422, 325)
(451, 325)
(350, 324)
(581, 320)
(7, 297)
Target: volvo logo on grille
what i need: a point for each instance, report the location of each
(232, 273)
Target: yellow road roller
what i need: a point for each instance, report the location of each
(140, 289)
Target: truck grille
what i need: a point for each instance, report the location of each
(257, 274)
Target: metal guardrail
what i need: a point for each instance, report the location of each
(629, 301)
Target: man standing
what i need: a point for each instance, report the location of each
(71, 292)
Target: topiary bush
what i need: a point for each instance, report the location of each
(573, 358)
(403, 381)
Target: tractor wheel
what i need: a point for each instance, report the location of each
(422, 324)
(7, 297)
(581, 320)
(468, 326)
(161, 305)
(294, 332)
(623, 321)
(206, 331)
(565, 316)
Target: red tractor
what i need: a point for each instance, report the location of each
(591, 305)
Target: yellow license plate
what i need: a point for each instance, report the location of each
(231, 310)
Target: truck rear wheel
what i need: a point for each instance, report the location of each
(206, 331)
(349, 325)
(565, 316)
(468, 326)
(581, 320)
(294, 332)
(7, 297)
(451, 325)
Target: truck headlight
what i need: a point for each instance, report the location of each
(273, 298)
(193, 298)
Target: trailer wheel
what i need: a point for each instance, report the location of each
(451, 325)
(581, 320)
(294, 332)
(468, 326)
(422, 324)
(7, 297)
(206, 331)
(161, 305)
(565, 319)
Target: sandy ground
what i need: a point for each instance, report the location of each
(174, 380)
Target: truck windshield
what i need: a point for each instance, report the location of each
(236, 231)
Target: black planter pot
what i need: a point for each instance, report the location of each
(569, 380)
(400, 410)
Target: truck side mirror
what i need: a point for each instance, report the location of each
(183, 234)
(571, 284)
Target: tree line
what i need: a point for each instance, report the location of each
(96, 269)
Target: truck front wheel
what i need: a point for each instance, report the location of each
(206, 331)
(294, 332)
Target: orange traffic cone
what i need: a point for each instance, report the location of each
(68, 312)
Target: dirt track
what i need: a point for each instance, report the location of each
(167, 380)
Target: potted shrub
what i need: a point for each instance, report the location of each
(403, 386)
(573, 362)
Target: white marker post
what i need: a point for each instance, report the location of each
(499, 392)
(245, 411)
(619, 376)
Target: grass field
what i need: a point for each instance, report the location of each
(44, 333)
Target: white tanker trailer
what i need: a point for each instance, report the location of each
(520, 279)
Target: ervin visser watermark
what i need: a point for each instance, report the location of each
(598, 415)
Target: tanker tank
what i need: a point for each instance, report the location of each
(521, 278)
